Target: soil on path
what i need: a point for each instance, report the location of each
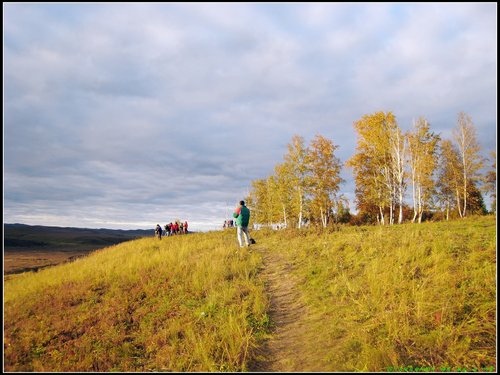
(288, 349)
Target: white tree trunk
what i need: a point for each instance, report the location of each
(284, 216)
(300, 208)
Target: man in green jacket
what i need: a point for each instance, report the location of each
(242, 216)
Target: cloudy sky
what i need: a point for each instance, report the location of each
(127, 115)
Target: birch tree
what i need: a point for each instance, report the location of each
(397, 151)
(465, 136)
(422, 162)
(285, 193)
(260, 200)
(323, 178)
(295, 163)
(377, 163)
(449, 179)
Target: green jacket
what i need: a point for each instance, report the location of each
(242, 215)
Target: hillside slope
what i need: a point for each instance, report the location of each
(183, 303)
(402, 298)
(355, 299)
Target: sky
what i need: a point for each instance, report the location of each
(125, 115)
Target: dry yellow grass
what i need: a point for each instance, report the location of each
(372, 299)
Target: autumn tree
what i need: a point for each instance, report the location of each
(260, 200)
(304, 186)
(296, 168)
(284, 191)
(323, 177)
(341, 212)
(490, 180)
(422, 162)
(449, 179)
(471, 162)
(368, 189)
(281, 198)
(378, 164)
(397, 152)
(475, 201)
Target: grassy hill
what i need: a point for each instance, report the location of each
(377, 299)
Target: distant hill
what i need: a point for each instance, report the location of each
(36, 237)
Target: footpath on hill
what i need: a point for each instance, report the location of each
(289, 348)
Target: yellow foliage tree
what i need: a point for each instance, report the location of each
(378, 164)
(296, 168)
(471, 162)
(422, 156)
(449, 178)
(323, 178)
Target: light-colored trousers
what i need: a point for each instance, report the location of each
(243, 232)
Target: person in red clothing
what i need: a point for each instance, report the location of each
(185, 227)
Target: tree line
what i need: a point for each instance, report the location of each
(444, 177)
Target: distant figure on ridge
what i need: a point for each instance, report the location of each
(158, 231)
(242, 216)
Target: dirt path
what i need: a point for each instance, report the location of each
(286, 350)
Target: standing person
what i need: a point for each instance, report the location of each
(185, 227)
(242, 216)
(158, 231)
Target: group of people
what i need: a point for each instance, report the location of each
(171, 229)
(228, 224)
